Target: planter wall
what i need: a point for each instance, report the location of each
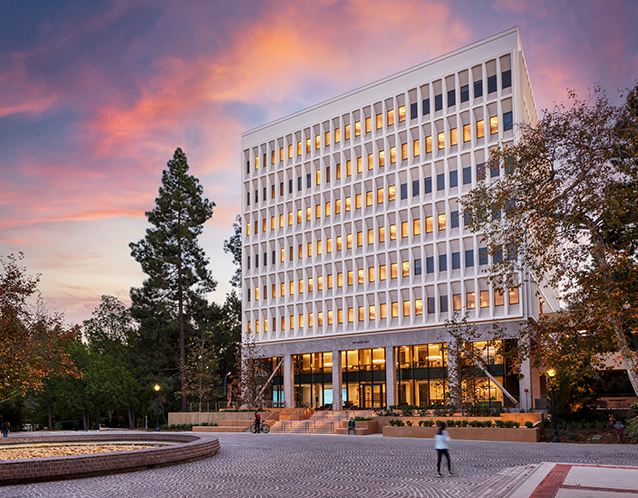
(519, 435)
(198, 418)
(369, 425)
(521, 418)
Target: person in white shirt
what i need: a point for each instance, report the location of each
(440, 444)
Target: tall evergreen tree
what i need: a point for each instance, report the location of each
(178, 277)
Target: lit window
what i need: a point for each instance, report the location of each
(470, 300)
(257, 326)
(369, 198)
(359, 239)
(371, 274)
(281, 221)
(283, 323)
(318, 247)
(338, 171)
(330, 317)
(381, 159)
(298, 151)
(395, 310)
(404, 229)
(272, 222)
(360, 276)
(300, 320)
(349, 241)
(281, 154)
(390, 117)
(404, 152)
(499, 298)
(348, 168)
(301, 286)
(456, 302)
(339, 316)
(418, 306)
(513, 294)
(319, 318)
(429, 224)
(370, 237)
(317, 142)
(368, 125)
(467, 133)
(454, 139)
(290, 219)
(357, 201)
(416, 148)
(256, 293)
(337, 135)
(405, 269)
(272, 157)
(441, 139)
(327, 209)
(361, 313)
(292, 322)
(381, 234)
(347, 132)
(406, 308)
(339, 243)
(247, 228)
(401, 113)
(338, 206)
(370, 161)
(308, 145)
(348, 204)
(249, 327)
(372, 312)
(493, 125)
(283, 255)
(289, 157)
(330, 281)
(327, 139)
(329, 245)
(300, 251)
(382, 272)
(441, 222)
(480, 129)
(359, 167)
(318, 176)
(350, 315)
(310, 286)
(357, 128)
(383, 311)
(263, 225)
(379, 121)
(256, 163)
(485, 299)
(339, 279)
(393, 155)
(393, 232)
(393, 271)
(380, 196)
(298, 215)
(308, 214)
(428, 144)
(318, 211)
(391, 193)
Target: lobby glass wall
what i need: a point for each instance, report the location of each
(363, 378)
(313, 380)
(421, 374)
(274, 393)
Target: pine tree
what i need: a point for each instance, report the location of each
(178, 277)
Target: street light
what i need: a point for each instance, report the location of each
(157, 390)
(551, 373)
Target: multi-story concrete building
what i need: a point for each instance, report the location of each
(355, 254)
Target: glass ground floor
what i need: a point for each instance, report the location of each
(412, 375)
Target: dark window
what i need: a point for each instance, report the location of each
(272, 191)
(467, 175)
(256, 196)
(404, 191)
(508, 165)
(466, 219)
(512, 252)
(417, 267)
(506, 80)
(429, 264)
(491, 84)
(442, 262)
(248, 198)
(454, 178)
(264, 197)
(415, 188)
(454, 219)
(443, 304)
(510, 205)
(478, 88)
(308, 180)
(498, 255)
(438, 102)
(414, 111)
(248, 263)
(480, 171)
(496, 214)
(451, 98)
(426, 106)
(440, 181)
(265, 259)
(494, 170)
(469, 258)
(290, 186)
(256, 260)
(508, 124)
(281, 188)
(430, 305)
(247, 167)
(428, 185)
(327, 174)
(456, 260)
(248, 294)
(273, 257)
(483, 256)
(298, 183)
(465, 93)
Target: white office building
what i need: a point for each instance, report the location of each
(354, 253)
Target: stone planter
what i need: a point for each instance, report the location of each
(520, 435)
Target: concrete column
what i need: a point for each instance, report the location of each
(289, 382)
(390, 377)
(336, 381)
(526, 398)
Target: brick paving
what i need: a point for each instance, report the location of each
(298, 465)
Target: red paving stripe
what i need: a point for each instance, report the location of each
(552, 482)
(606, 490)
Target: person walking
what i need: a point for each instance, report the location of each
(441, 439)
(257, 422)
(352, 426)
(5, 429)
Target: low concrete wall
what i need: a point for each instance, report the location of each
(199, 418)
(369, 425)
(523, 435)
(189, 448)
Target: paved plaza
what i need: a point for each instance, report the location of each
(298, 465)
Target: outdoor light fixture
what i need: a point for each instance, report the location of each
(157, 390)
(551, 373)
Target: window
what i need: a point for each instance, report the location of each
(247, 198)
(310, 285)
(465, 93)
(416, 227)
(247, 228)
(469, 258)
(495, 170)
(493, 125)
(480, 129)
(451, 98)
(327, 209)
(393, 232)
(318, 247)
(357, 128)
(456, 302)
(393, 155)
(406, 308)
(308, 145)
(326, 139)
(456, 260)
(507, 121)
(467, 133)
(318, 142)
(359, 239)
(289, 151)
(339, 316)
(454, 137)
(417, 267)
(379, 121)
(441, 139)
(349, 241)
(360, 278)
(401, 113)
(491, 84)
(272, 157)
(470, 300)
(418, 306)
(391, 195)
(438, 102)
(318, 211)
(443, 302)
(350, 315)
(428, 185)
(382, 272)
(404, 152)
(380, 196)
(339, 279)
(454, 219)
(370, 162)
(513, 295)
(440, 181)
(485, 299)
(404, 191)
(338, 171)
(478, 88)
(506, 79)
(431, 305)
(428, 144)
(368, 125)
(429, 264)
(381, 159)
(338, 206)
(370, 237)
(442, 262)
(300, 320)
(499, 298)
(339, 243)
(467, 175)
(426, 106)
(393, 270)
(429, 224)
(290, 186)
(357, 200)
(359, 169)
(416, 148)
(483, 256)
(395, 310)
(404, 229)
(381, 235)
(348, 203)
(498, 254)
(330, 281)
(329, 317)
(371, 313)
(454, 178)
(308, 214)
(318, 176)
(414, 111)
(371, 274)
(347, 132)
(405, 269)
(480, 171)
(337, 135)
(369, 199)
(361, 313)
(329, 245)
(415, 188)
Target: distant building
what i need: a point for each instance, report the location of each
(354, 250)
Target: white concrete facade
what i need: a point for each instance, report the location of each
(352, 236)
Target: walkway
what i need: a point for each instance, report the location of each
(298, 465)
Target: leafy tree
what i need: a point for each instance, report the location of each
(233, 246)
(32, 341)
(565, 212)
(201, 369)
(178, 277)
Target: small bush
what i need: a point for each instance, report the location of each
(529, 424)
(407, 411)
(424, 412)
(634, 407)
(451, 423)
(397, 422)
(487, 423)
(426, 423)
(362, 419)
(408, 423)
(631, 431)
(464, 423)
(500, 423)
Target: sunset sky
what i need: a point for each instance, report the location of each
(96, 95)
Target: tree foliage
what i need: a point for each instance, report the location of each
(565, 214)
(233, 246)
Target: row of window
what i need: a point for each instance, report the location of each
(506, 82)
(406, 308)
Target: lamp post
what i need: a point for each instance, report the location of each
(551, 373)
(157, 390)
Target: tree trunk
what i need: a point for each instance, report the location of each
(628, 357)
(85, 420)
(131, 417)
(50, 415)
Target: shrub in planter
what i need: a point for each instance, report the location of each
(632, 428)
(407, 411)
(408, 423)
(476, 423)
(529, 424)
(501, 423)
(424, 412)
(451, 423)
(397, 422)
(362, 419)
(464, 423)
(487, 423)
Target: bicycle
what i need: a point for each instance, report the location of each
(264, 427)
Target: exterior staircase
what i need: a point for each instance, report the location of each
(320, 422)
